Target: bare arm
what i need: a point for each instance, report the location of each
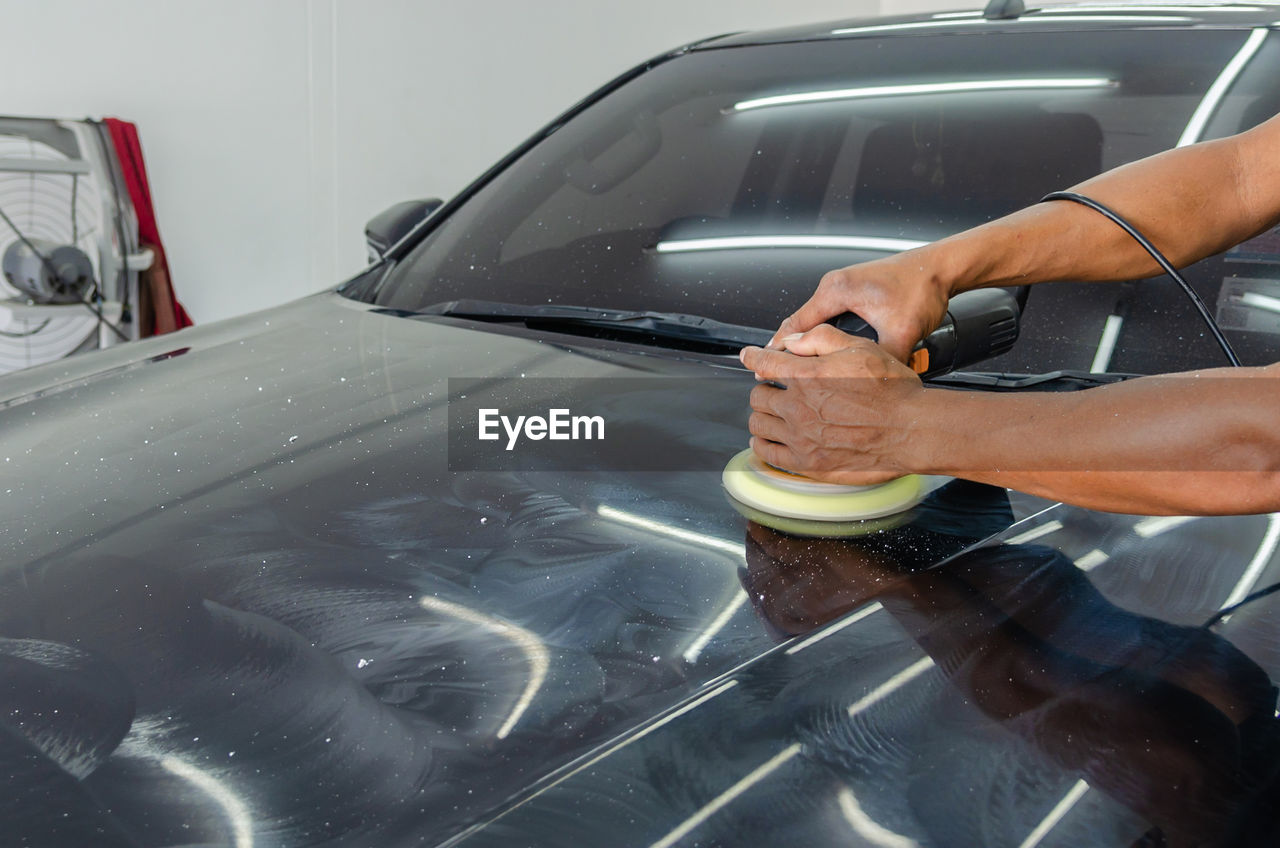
(1204, 443)
(1191, 202)
(1201, 444)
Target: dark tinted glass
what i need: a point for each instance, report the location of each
(726, 182)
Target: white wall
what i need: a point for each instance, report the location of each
(274, 128)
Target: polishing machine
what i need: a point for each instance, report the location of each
(978, 325)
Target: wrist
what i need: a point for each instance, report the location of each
(946, 431)
(952, 264)
(993, 254)
(920, 422)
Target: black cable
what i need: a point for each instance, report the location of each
(1226, 611)
(97, 311)
(44, 260)
(9, 335)
(1160, 260)
(102, 319)
(97, 290)
(1208, 319)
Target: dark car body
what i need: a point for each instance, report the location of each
(250, 597)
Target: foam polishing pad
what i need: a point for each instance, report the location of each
(818, 529)
(760, 486)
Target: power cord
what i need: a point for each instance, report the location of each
(44, 260)
(1208, 319)
(25, 334)
(1160, 260)
(96, 308)
(1222, 614)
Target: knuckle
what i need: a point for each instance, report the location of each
(802, 414)
(862, 344)
(809, 453)
(760, 424)
(814, 456)
(825, 458)
(784, 408)
(768, 451)
(834, 279)
(827, 411)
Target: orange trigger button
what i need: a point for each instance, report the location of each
(919, 361)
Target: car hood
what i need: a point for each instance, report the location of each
(246, 599)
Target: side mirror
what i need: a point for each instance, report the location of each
(388, 227)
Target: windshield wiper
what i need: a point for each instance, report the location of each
(693, 332)
(1052, 381)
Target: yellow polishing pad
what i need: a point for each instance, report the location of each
(775, 492)
(818, 529)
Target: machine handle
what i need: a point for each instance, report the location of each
(979, 325)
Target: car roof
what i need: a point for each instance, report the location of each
(1041, 17)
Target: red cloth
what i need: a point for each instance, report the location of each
(169, 315)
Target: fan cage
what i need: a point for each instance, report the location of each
(65, 207)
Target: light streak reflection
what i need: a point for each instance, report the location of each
(870, 830)
(1266, 550)
(1056, 815)
(530, 645)
(886, 245)
(236, 811)
(726, 797)
(906, 90)
(735, 548)
(1218, 90)
(891, 685)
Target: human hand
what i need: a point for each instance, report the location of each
(898, 296)
(845, 413)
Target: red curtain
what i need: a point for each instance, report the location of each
(165, 313)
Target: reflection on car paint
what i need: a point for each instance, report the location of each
(334, 640)
(1021, 705)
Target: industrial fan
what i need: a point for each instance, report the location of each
(68, 242)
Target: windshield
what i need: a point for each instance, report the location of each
(726, 182)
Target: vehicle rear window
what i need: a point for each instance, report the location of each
(726, 182)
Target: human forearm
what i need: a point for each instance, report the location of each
(1203, 443)
(1190, 202)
